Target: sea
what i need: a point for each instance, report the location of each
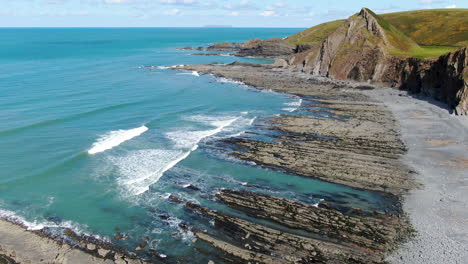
(96, 134)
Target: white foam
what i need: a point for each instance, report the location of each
(316, 205)
(190, 139)
(294, 106)
(193, 73)
(226, 80)
(289, 109)
(115, 138)
(252, 121)
(140, 169)
(296, 103)
(163, 67)
(41, 224)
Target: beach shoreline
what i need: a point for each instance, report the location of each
(20, 245)
(436, 205)
(438, 150)
(379, 118)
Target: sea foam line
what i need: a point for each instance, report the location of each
(115, 138)
(193, 73)
(295, 105)
(151, 164)
(39, 225)
(226, 80)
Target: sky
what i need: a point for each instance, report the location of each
(196, 13)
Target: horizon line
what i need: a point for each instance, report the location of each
(227, 27)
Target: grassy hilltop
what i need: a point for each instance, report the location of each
(421, 33)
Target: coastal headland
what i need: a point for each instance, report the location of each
(354, 128)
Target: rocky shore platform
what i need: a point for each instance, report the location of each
(373, 139)
(19, 245)
(340, 136)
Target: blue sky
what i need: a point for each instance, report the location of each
(196, 13)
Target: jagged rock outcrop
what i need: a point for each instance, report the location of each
(224, 46)
(268, 48)
(361, 50)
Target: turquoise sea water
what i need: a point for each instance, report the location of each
(91, 140)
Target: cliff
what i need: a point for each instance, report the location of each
(366, 47)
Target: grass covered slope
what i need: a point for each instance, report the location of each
(420, 34)
(316, 34)
(448, 27)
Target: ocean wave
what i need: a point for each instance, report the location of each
(193, 73)
(140, 169)
(37, 224)
(162, 67)
(190, 139)
(294, 106)
(295, 103)
(226, 80)
(45, 123)
(289, 109)
(115, 138)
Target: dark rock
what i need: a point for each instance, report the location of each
(175, 199)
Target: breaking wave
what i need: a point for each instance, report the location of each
(115, 138)
(226, 80)
(138, 170)
(41, 224)
(293, 106)
(193, 73)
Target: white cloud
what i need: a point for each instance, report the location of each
(234, 13)
(172, 12)
(267, 13)
(451, 6)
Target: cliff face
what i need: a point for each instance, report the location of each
(361, 49)
(444, 78)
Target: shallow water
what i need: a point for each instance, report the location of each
(93, 141)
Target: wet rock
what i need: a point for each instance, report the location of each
(268, 245)
(372, 233)
(103, 252)
(175, 199)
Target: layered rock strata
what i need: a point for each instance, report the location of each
(363, 49)
(341, 136)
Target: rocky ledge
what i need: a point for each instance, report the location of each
(340, 136)
(271, 48)
(346, 139)
(19, 245)
(321, 235)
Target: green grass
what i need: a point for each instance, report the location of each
(446, 27)
(398, 40)
(436, 31)
(425, 51)
(315, 35)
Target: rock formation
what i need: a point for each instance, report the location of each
(363, 49)
(275, 47)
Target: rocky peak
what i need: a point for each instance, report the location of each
(363, 49)
(372, 24)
